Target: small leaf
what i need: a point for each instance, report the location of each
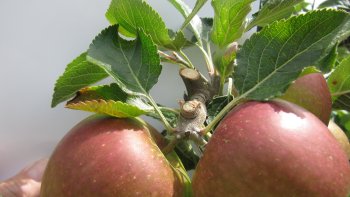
(271, 59)
(199, 4)
(110, 100)
(229, 20)
(137, 14)
(339, 80)
(216, 105)
(224, 60)
(78, 74)
(135, 65)
(274, 10)
(196, 23)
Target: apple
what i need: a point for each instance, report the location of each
(106, 156)
(340, 136)
(272, 149)
(311, 92)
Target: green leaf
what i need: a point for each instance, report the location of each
(180, 170)
(343, 53)
(339, 80)
(78, 74)
(328, 62)
(224, 60)
(196, 23)
(137, 14)
(110, 100)
(274, 10)
(135, 65)
(229, 20)
(342, 4)
(216, 105)
(110, 107)
(271, 59)
(199, 4)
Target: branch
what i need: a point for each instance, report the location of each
(193, 111)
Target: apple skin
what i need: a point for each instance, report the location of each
(312, 93)
(272, 149)
(340, 136)
(105, 156)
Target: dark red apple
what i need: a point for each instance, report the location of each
(105, 156)
(311, 92)
(272, 149)
(340, 136)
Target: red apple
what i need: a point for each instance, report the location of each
(105, 156)
(311, 92)
(340, 136)
(272, 149)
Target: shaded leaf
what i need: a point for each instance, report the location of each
(170, 114)
(135, 65)
(216, 105)
(342, 4)
(271, 59)
(229, 20)
(274, 10)
(78, 74)
(137, 14)
(342, 102)
(327, 63)
(339, 80)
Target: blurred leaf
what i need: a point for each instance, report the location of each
(271, 59)
(342, 102)
(229, 20)
(343, 53)
(274, 10)
(137, 14)
(78, 74)
(135, 65)
(342, 4)
(339, 80)
(342, 119)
